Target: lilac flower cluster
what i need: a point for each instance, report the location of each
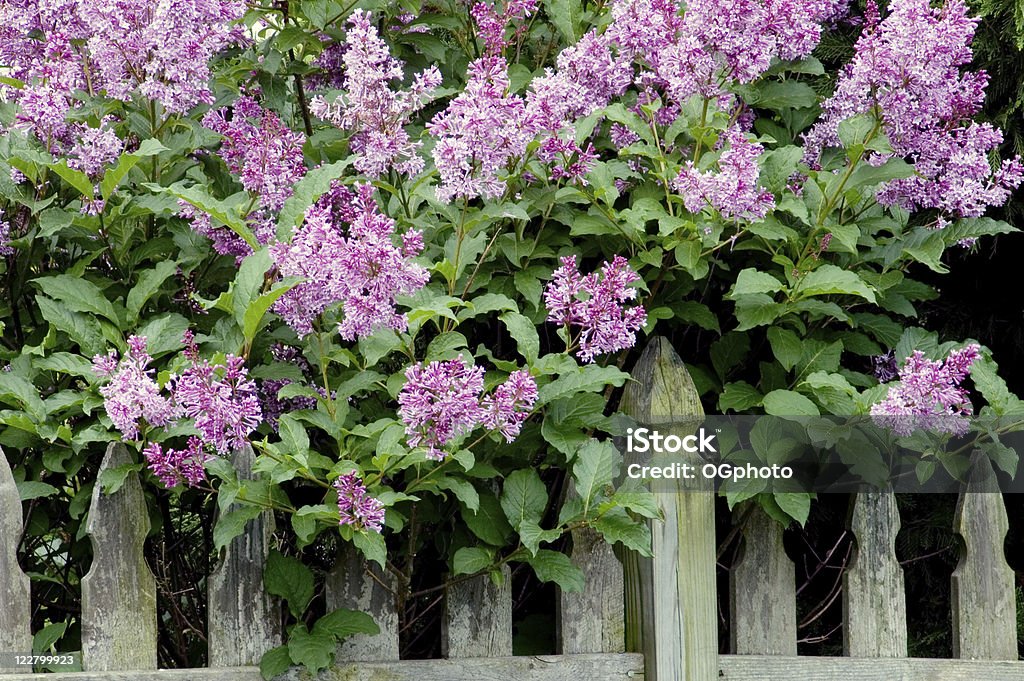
(928, 395)
(442, 401)
(364, 271)
(5, 238)
(375, 113)
(595, 304)
(733, 191)
(907, 68)
(221, 400)
(490, 25)
(132, 394)
(355, 507)
(271, 405)
(94, 148)
(176, 466)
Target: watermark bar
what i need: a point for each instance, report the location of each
(41, 661)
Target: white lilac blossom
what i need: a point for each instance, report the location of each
(928, 395)
(595, 304)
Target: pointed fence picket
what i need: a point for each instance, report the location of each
(663, 609)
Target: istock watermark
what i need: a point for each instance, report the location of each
(645, 440)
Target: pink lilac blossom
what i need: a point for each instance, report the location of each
(375, 113)
(733, 191)
(364, 271)
(928, 395)
(355, 506)
(258, 147)
(595, 304)
(479, 133)
(225, 241)
(907, 69)
(509, 406)
(439, 403)
(177, 466)
(221, 399)
(5, 238)
(567, 160)
(94, 149)
(490, 26)
(131, 393)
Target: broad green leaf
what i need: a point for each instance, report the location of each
(31, 489)
(553, 566)
(797, 505)
(786, 346)
(524, 333)
(232, 524)
(275, 662)
(588, 378)
(617, 527)
(471, 559)
(290, 579)
(488, 523)
(566, 15)
(829, 279)
(81, 328)
(789, 403)
(257, 308)
(594, 468)
(314, 650)
(149, 283)
(524, 497)
(372, 546)
(343, 623)
(80, 295)
(75, 178)
(462, 489)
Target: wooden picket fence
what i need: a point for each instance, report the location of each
(662, 610)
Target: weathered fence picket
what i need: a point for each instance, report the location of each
(984, 603)
(243, 621)
(762, 584)
(15, 587)
(664, 607)
(355, 584)
(874, 600)
(119, 591)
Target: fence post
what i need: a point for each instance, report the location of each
(762, 584)
(349, 585)
(671, 599)
(243, 621)
(119, 592)
(478, 617)
(874, 600)
(15, 587)
(593, 621)
(984, 603)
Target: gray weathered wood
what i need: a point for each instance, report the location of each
(15, 587)
(762, 668)
(762, 584)
(349, 585)
(478, 618)
(614, 667)
(984, 606)
(593, 621)
(119, 592)
(671, 603)
(243, 620)
(874, 600)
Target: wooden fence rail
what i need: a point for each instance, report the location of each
(662, 610)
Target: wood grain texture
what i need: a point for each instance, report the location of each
(762, 584)
(765, 668)
(243, 620)
(119, 592)
(874, 598)
(616, 667)
(349, 585)
(671, 603)
(593, 621)
(478, 618)
(15, 587)
(984, 604)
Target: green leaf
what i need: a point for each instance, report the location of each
(306, 191)
(786, 346)
(31, 489)
(553, 566)
(471, 559)
(82, 329)
(594, 468)
(80, 295)
(524, 333)
(148, 284)
(114, 176)
(164, 333)
(797, 505)
(463, 490)
(566, 16)
(257, 308)
(290, 579)
(789, 403)
(275, 662)
(294, 439)
(739, 396)
(45, 638)
(524, 497)
(343, 623)
(753, 281)
(488, 523)
(75, 178)
(616, 526)
(312, 650)
(231, 524)
(372, 546)
(829, 279)
(220, 211)
(589, 378)
(533, 535)
(24, 392)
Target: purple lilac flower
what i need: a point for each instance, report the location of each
(355, 507)
(220, 398)
(176, 466)
(439, 403)
(621, 136)
(480, 132)
(884, 367)
(509, 407)
(490, 26)
(928, 395)
(131, 393)
(907, 68)
(595, 303)
(364, 271)
(94, 149)
(271, 405)
(733, 191)
(225, 241)
(375, 113)
(5, 239)
(259, 148)
(568, 161)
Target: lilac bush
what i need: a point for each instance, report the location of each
(408, 258)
